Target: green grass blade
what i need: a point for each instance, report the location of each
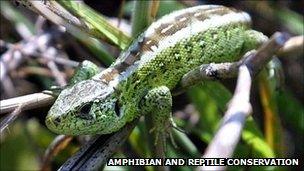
(99, 25)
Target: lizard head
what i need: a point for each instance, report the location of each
(88, 107)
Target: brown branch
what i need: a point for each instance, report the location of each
(28, 70)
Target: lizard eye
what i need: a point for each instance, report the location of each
(84, 111)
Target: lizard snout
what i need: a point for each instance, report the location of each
(52, 122)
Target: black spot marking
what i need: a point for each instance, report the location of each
(16, 3)
(135, 48)
(131, 55)
(213, 74)
(188, 48)
(121, 66)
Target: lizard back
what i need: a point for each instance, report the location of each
(173, 46)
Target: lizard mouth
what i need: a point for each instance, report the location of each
(53, 124)
(50, 124)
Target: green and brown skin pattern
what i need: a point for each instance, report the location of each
(140, 80)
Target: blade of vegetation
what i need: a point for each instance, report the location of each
(140, 16)
(291, 20)
(13, 15)
(98, 23)
(292, 115)
(209, 116)
(291, 110)
(272, 127)
(96, 48)
(216, 98)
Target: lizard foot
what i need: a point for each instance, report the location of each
(164, 132)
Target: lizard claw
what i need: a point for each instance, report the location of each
(173, 125)
(54, 91)
(51, 93)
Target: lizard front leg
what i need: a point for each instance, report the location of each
(84, 71)
(158, 103)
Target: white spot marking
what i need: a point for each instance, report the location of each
(167, 28)
(170, 18)
(148, 42)
(183, 19)
(154, 48)
(197, 14)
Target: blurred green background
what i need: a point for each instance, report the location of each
(276, 128)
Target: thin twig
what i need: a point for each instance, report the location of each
(204, 72)
(59, 77)
(8, 87)
(10, 118)
(294, 46)
(13, 57)
(53, 11)
(28, 70)
(56, 13)
(30, 102)
(10, 60)
(228, 135)
(255, 62)
(61, 58)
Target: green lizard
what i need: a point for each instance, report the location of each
(140, 80)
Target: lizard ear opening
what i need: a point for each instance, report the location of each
(84, 111)
(117, 108)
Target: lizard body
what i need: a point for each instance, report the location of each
(140, 80)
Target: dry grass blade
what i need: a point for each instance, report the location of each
(10, 118)
(30, 101)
